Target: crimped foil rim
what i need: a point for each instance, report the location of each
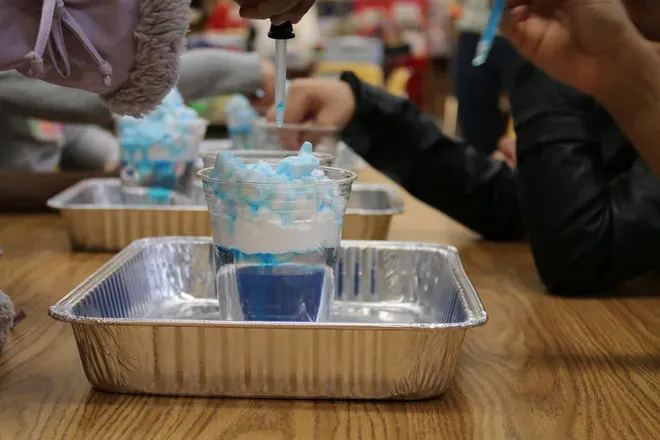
(60, 201)
(61, 311)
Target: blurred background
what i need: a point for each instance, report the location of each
(405, 46)
(416, 49)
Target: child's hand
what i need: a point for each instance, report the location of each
(319, 102)
(575, 41)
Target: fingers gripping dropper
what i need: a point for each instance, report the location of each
(280, 34)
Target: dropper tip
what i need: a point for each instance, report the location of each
(279, 114)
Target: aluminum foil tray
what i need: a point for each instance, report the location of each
(98, 215)
(146, 322)
(370, 211)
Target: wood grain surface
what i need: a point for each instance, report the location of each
(542, 368)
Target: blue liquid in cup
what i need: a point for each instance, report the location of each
(278, 287)
(280, 293)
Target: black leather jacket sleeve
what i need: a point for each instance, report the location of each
(592, 217)
(405, 144)
(592, 208)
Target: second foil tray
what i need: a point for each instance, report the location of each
(99, 216)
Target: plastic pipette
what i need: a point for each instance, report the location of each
(488, 36)
(280, 34)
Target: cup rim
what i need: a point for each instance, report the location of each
(276, 154)
(264, 123)
(188, 122)
(348, 177)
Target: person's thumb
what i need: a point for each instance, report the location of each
(336, 105)
(299, 104)
(310, 113)
(298, 111)
(328, 116)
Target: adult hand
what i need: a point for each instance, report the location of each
(278, 11)
(596, 46)
(578, 42)
(318, 102)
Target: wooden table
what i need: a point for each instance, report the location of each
(542, 367)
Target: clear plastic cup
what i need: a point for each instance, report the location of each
(245, 137)
(292, 136)
(160, 155)
(276, 246)
(239, 115)
(271, 157)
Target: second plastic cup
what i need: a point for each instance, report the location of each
(325, 139)
(160, 155)
(276, 245)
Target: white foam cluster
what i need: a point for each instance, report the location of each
(168, 133)
(293, 207)
(265, 233)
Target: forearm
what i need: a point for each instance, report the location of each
(382, 130)
(587, 234)
(591, 225)
(404, 143)
(38, 99)
(207, 73)
(631, 94)
(204, 73)
(89, 147)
